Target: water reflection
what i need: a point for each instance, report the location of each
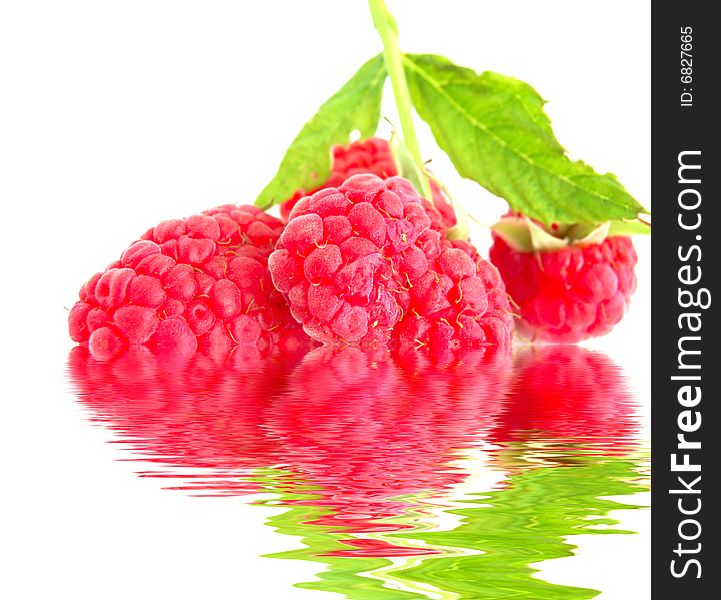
(405, 476)
(199, 422)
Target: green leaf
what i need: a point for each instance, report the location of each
(307, 162)
(495, 131)
(629, 228)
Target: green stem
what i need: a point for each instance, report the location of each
(386, 26)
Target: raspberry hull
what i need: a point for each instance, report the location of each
(196, 283)
(571, 294)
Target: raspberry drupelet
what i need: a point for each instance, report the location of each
(188, 284)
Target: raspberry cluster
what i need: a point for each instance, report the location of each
(570, 294)
(187, 284)
(357, 260)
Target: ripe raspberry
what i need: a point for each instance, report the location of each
(459, 302)
(346, 256)
(370, 156)
(446, 215)
(570, 294)
(200, 282)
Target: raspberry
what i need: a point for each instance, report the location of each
(200, 282)
(444, 207)
(356, 260)
(370, 156)
(335, 260)
(459, 302)
(570, 294)
(566, 395)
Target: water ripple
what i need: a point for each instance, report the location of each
(404, 476)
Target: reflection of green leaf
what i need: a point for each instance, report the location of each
(526, 523)
(307, 162)
(489, 555)
(495, 132)
(342, 575)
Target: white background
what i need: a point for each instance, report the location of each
(116, 115)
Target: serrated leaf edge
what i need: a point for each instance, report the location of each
(569, 181)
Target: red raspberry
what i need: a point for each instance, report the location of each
(347, 255)
(570, 294)
(370, 156)
(443, 217)
(200, 282)
(353, 261)
(460, 302)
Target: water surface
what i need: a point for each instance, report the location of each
(403, 476)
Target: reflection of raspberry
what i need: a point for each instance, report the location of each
(196, 282)
(474, 383)
(347, 255)
(369, 156)
(202, 421)
(570, 294)
(371, 438)
(563, 395)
